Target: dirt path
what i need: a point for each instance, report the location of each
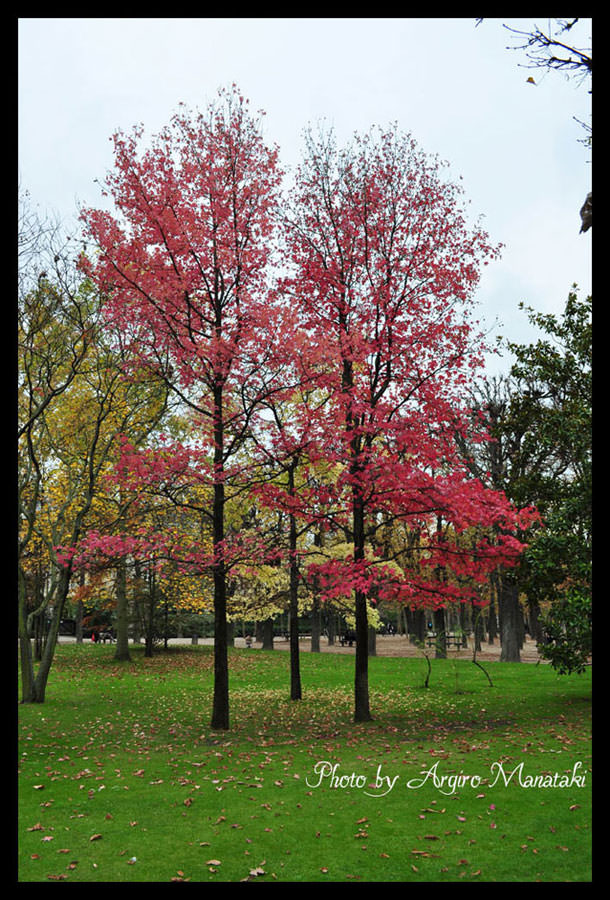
(396, 645)
(387, 645)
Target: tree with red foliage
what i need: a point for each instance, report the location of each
(183, 262)
(384, 268)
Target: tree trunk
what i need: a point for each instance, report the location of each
(478, 627)
(440, 642)
(150, 617)
(25, 643)
(268, 634)
(316, 626)
(536, 629)
(492, 618)
(220, 703)
(39, 685)
(372, 641)
(316, 613)
(34, 684)
(511, 624)
(407, 624)
(331, 626)
(362, 711)
(78, 629)
(295, 671)
(403, 623)
(122, 616)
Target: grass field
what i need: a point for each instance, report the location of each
(122, 780)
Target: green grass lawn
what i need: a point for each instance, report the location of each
(122, 779)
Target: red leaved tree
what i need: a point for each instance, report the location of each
(185, 254)
(384, 268)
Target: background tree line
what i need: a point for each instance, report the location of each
(539, 414)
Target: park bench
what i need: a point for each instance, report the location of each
(349, 638)
(451, 640)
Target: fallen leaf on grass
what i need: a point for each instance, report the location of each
(179, 876)
(95, 837)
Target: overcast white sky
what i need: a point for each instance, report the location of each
(455, 87)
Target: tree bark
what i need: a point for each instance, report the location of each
(416, 625)
(510, 619)
(536, 629)
(316, 626)
(372, 641)
(34, 684)
(362, 712)
(478, 629)
(150, 613)
(295, 671)
(25, 643)
(122, 617)
(267, 634)
(316, 614)
(331, 625)
(220, 703)
(41, 678)
(440, 643)
(492, 618)
(78, 629)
